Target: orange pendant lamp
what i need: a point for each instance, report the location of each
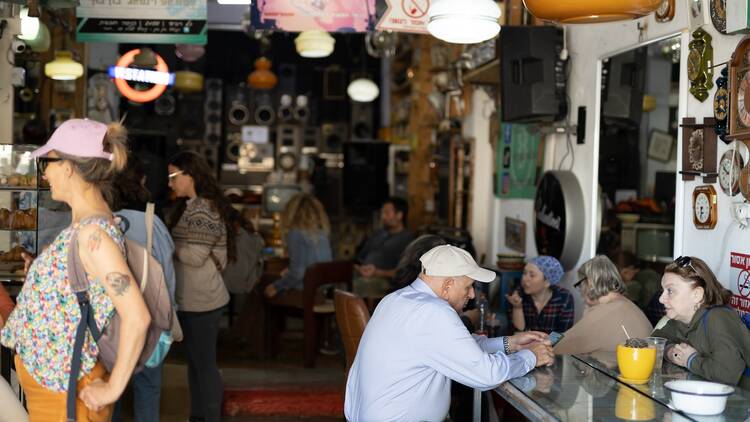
(590, 11)
(262, 77)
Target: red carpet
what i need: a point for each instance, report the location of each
(309, 401)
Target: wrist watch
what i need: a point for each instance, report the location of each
(506, 345)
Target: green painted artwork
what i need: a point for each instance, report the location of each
(518, 161)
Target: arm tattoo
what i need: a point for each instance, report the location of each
(94, 241)
(119, 282)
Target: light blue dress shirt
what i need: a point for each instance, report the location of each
(412, 348)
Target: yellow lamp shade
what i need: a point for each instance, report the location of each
(590, 11)
(262, 77)
(188, 82)
(63, 68)
(314, 44)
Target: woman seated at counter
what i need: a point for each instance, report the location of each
(706, 337)
(541, 305)
(607, 311)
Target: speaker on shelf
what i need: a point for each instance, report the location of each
(286, 108)
(287, 73)
(332, 137)
(166, 104)
(190, 116)
(532, 75)
(335, 82)
(264, 113)
(623, 82)
(365, 164)
(361, 121)
(212, 108)
(237, 105)
(200, 147)
(301, 108)
(310, 139)
(288, 146)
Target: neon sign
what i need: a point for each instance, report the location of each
(122, 74)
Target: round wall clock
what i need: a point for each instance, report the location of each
(665, 12)
(730, 166)
(705, 210)
(695, 150)
(694, 63)
(739, 92)
(719, 15)
(742, 96)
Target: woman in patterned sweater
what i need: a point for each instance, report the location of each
(203, 243)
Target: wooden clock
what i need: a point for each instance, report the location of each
(665, 12)
(721, 106)
(718, 10)
(699, 149)
(730, 168)
(705, 209)
(700, 64)
(739, 92)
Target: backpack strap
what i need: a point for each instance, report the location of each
(149, 243)
(80, 285)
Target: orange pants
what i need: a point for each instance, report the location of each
(45, 405)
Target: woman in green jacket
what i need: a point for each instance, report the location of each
(703, 335)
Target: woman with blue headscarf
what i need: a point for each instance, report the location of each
(540, 304)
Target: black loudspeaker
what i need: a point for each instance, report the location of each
(532, 74)
(237, 107)
(623, 81)
(365, 164)
(263, 111)
(287, 78)
(212, 111)
(288, 145)
(190, 117)
(361, 121)
(332, 137)
(334, 83)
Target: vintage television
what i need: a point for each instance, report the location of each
(623, 82)
(276, 196)
(532, 74)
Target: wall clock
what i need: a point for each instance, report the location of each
(721, 106)
(699, 149)
(699, 64)
(718, 9)
(665, 12)
(745, 182)
(739, 92)
(705, 209)
(730, 166)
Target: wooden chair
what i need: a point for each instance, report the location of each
(352, 317)
(334, 272)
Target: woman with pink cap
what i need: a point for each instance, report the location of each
(78, 161)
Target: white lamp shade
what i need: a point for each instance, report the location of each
(464, 21)
(42, 40)
(362, 90)
(314, 44)
(29, 25)
(63, 68)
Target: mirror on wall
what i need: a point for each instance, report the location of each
(638, 154)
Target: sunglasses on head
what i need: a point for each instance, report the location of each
(686, 261)
(43, 162)
(172, 175)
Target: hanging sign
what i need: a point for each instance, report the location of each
(405, 16)
(306, 15)
(558, 218)
(142, 21)
(739, 281)
(122, 73)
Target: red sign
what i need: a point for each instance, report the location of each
(740, 281)
(405, 16)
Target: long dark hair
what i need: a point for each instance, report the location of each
(409, 266)
(206, 187)
(697, 273)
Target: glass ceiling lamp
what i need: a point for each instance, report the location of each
(363, 90)
(314, 44)
(464, 21)
(29, 26)
(262, 77)
(590, 11)
(63, 68)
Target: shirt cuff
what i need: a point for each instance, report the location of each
(528, 357)
(690, 360)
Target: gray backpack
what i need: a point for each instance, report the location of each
(241, 274)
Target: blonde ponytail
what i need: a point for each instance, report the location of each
(115, 142)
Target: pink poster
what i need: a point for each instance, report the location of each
(739, 279)
(303, 15)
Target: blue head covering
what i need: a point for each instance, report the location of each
(550, 267)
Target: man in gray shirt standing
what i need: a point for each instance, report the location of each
(381, 252)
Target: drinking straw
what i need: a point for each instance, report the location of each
(626, 332)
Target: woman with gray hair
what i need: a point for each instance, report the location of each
(607, 309)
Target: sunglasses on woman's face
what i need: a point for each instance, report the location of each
(43, 162)
(578, 283)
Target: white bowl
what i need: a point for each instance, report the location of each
(699, 397)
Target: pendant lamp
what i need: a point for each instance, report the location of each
(590, 11)
(63, 68)
(262, 77)
(29, 26)
(464, 21)
(363, 90)
(314, 44)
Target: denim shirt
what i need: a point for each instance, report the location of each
(304, 250)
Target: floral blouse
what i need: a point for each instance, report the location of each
(42, 327)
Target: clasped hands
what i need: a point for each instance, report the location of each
(679, 354)
(537, 342)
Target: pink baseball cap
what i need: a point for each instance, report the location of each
(78, 137)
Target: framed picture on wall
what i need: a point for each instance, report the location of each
(515, 234)
(660, 145)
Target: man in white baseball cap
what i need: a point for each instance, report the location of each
(415, 344)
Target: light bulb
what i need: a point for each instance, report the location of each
(464, 22)
(363, 90)
(29, 26)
